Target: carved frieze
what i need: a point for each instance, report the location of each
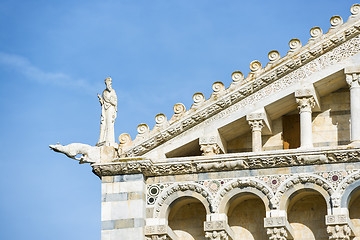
(225, 163)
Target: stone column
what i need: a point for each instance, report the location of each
(256, 127)
(123, 207)
(352, 78)
(306, 104)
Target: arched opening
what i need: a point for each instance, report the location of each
(186, 218)
(306, 214)
(354, 210)
(246, 215)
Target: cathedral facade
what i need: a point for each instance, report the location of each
(276, 155)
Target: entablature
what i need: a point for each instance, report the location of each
(227, 162)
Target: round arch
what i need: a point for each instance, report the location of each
(240, 187)
(348, 193)
(298, 188)
(178, 191)
(309, 182)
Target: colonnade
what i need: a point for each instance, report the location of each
(307, 99)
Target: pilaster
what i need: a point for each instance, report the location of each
(123, 207)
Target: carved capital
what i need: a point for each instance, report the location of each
(159, 232)
(256, 125)
(209, 149)
(353, 79)
(217, 235)
(305, 103)
(277, 233)
(339, 232)
(157, 237)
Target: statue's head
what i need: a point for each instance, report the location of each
(108, 82)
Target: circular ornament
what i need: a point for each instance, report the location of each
(143, 128)
(124, 138)
(255, 66)
(273, 55)
(160, 118)
(218, 86)
(237, 76)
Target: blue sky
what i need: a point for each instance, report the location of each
(55, 55)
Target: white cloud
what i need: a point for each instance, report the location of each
(23, 66)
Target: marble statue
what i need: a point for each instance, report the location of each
(108, 103)
(89, 154)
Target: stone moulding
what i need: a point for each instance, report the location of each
(226, 162)
(339, 44)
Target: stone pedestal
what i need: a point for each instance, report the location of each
(123, 207)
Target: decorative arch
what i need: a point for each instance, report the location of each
(347, 188)
(302, 182)
(180, 190)
(252, 186)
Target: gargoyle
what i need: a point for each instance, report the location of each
(89, 154)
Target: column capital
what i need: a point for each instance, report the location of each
(339, 226)
(217, 235)
(305, 104)
(209, 149)
(256, 124)
(277, 233)
(159, 232)
(352, 76)
(211, 144)
(339, 232)
(218, 230)
(353, 79)
(278, 228)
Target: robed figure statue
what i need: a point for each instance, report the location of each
(108, 103)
